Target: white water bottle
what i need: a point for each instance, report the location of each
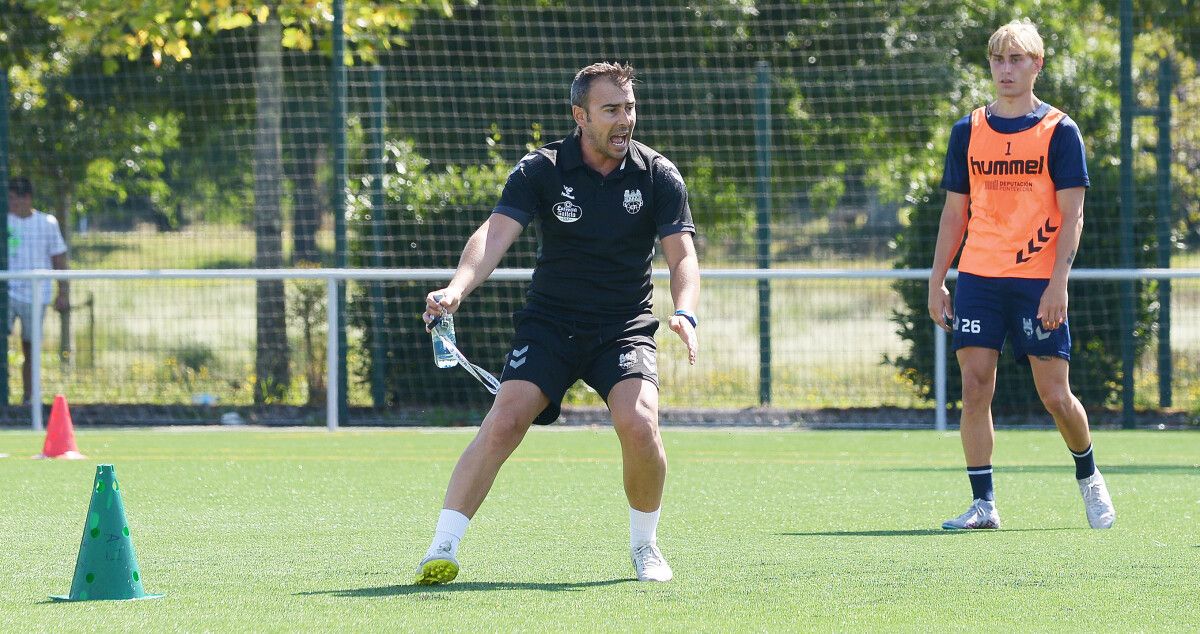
(442, 356)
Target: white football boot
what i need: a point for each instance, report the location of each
(981, 514)
(1096, 501)
(437, 567)
(649, 564)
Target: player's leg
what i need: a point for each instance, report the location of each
(623, 366)
(513, 411)
(634, 406)
(977, 433)
(537, 372)
(978, 370)
(1051, 375)
(979, 334)
(1049, 355)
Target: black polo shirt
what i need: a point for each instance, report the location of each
(595, 233)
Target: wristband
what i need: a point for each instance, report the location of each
(688, 315)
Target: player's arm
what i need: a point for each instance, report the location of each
(951, 229)
(680, 252)
(1052, 309)
(62, 301)
(479, 258)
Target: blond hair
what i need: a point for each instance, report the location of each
(1020, 34)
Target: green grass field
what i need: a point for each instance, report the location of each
(767, 531)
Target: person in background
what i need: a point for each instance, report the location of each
(34, 242)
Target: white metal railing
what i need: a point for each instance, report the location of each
(333, 276)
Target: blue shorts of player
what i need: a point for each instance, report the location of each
(987, 309)
(553, 353)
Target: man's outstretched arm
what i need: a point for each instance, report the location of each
(479, 258)
(685, 287)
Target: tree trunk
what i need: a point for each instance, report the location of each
(272, 358)
(306, 214)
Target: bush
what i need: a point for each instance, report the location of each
(425, 223)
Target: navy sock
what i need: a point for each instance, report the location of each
(981, 482)
(1085, 463)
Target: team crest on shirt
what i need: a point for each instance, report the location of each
(568, 211)
(633, 200)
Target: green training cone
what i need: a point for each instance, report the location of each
(106, 568)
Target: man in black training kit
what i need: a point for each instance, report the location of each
(598, 199)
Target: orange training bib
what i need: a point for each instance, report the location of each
(1014, 218)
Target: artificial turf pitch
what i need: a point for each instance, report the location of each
(766, 530)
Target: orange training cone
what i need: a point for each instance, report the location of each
(60, 433)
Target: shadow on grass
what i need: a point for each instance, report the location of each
(1067, 467)
(469, 586)
(93, 250)
(228, 263)
(917, 531)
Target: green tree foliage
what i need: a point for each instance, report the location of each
(168, 29)
(107, 32)
(58, 51)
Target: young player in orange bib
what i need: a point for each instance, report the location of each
(1015, 179)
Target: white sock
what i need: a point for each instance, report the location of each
(451, 527)
(643, 527)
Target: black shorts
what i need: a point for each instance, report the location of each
(554, 353)
(988, 310)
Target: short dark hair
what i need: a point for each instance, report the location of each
(620, 74)
(20, 186)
